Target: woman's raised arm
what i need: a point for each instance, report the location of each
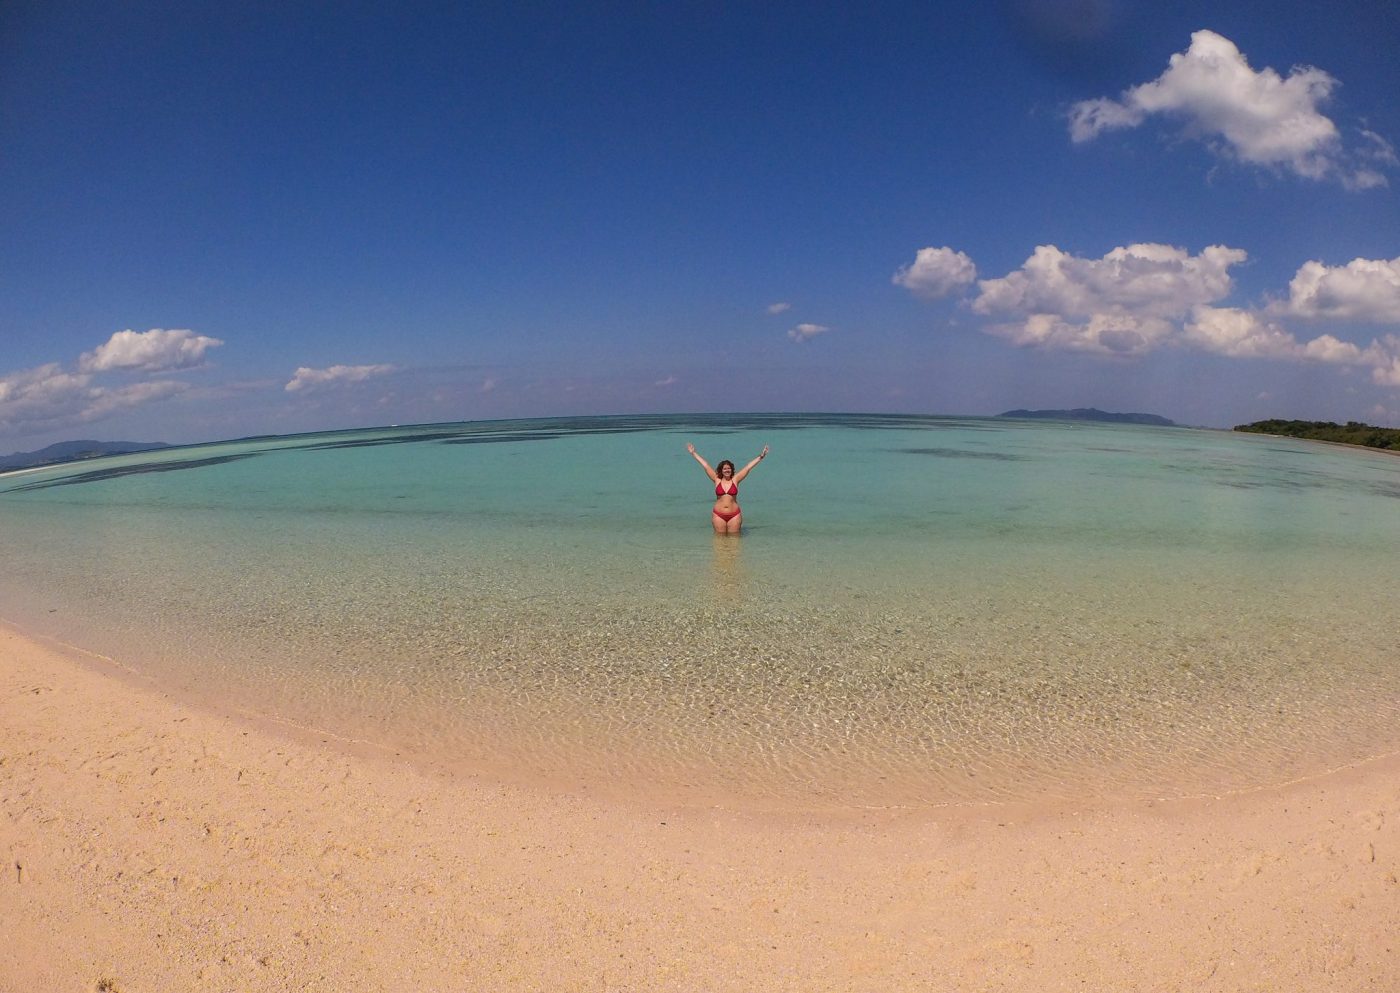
(703, 464)
(739, 476)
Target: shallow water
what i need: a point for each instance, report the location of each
(920, 611)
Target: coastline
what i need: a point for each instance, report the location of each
(1349, 446)
(156, 846)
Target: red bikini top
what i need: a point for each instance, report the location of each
(732, 491)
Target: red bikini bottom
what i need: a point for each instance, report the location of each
(728, 515)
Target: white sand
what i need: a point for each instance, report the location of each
(152, 846)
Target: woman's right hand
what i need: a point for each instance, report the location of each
(690, 448)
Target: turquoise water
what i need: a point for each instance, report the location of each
(920, 610)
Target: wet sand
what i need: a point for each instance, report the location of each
(152, 846)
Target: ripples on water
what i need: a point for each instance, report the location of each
(921, 611)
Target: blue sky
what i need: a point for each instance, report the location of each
(222, 220)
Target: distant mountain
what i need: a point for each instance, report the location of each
(72, 451)
(1091, 414)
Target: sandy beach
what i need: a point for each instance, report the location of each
(150, 845)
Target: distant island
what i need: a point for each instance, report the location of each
(1350, 433)
(1091, 414)
(72, 451)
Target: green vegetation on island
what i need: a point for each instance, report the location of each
(1350, 433)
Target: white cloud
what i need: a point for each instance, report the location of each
(488, 384)
(37, 396)
(935, 273)
(1129, 302)
(1260, 118)
(1239, 333)
(1249, 334)
(1106, 334)
(779, 307)
(1142, 297)
(805, 332)
(47, 398)
(156, 350)
(1149, 279)
(1361, 290)
(1384, 416)
(107, 401)
(307, 378)
(1384, 359)
(1325, 348)
(668, 381)
(1377, 149)
(1373, 155)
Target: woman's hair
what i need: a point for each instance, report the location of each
(719, 469)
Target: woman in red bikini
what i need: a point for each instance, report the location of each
(725, 516)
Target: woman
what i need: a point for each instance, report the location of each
(725, 516)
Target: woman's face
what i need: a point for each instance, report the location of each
(726, 470)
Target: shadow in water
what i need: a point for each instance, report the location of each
(727, 574)
(97, 475)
